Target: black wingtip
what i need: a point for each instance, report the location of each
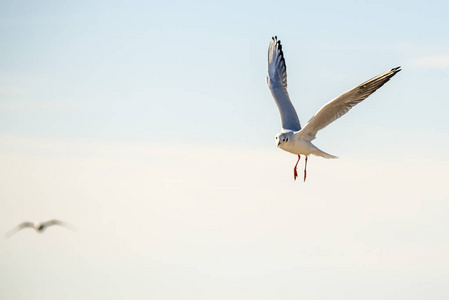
(275, 39)
(397, 69)
(278, 42)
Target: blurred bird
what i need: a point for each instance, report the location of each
(39, 227)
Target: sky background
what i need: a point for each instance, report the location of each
(149, 127)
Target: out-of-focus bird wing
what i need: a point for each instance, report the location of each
(19, 227)
(57, 222)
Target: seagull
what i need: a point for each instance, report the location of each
(296, 139)
(39, 227)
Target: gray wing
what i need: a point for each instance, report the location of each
(52, 222)
(56, 222)
(343, 103)
(277, 83)
(19, 227)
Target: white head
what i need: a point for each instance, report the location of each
(39, 226)
(283, 137)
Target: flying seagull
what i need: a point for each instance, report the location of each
(294, 138)
(39, 227)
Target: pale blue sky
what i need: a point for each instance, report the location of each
(149, 126)
(146, 70)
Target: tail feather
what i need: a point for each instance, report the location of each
(318, 152)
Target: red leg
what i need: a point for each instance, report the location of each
(295, 174)
(305, 167)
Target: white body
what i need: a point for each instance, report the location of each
(298, 146)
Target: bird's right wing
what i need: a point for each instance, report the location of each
(19, 227)
(52, 222)
(277, 83)
(57, 222)
(343, 103)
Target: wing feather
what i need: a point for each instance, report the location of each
(343, 103)
(58, 222)
(277, 83)
(19, 227)
(53, 222)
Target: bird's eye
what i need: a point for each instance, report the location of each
(286, 139)
(276, 137)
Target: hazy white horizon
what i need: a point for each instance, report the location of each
(220, 222)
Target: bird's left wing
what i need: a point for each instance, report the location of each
(343, 103)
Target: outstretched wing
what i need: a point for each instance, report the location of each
(19, 227)
(56, 222)
(343, 103)
(277, 83)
